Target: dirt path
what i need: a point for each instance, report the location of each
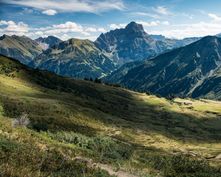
(108, 168)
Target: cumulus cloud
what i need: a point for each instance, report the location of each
(153, 23)
(102, 30)
(49, 12)
(189, 30)
(93, 6)
(91, 29)
(149, 24)
(64, 30)
(117, 26)
(10, 27)
(64, 37)
(214, 17)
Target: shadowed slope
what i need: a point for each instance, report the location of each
(179, 72)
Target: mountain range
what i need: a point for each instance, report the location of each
(75, 58)
(130, 57)
(132, 43)
(193, 71)
(84, 58)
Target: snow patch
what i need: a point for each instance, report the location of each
(197, 55)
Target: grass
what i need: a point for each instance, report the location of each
(135, 132)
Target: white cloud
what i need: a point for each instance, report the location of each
(117, 26)
(214, 17)
(93, 6)
(68, 26)
(102, 30)
(91, 29)
(64, 31)
(49, 12)
(149, 24)
(64, 37)
(162, 10)
(3, 22)
(166, 23)
(39, 33)
(10, 27)
(152, 15)
(189, 30)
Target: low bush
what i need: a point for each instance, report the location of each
(21, 121)
(179, 165)
(105, 148)
(27, 160)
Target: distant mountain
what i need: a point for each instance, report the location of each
(21, 48)
(75, 58)
(193, 70)
(128, 44)
(132, 43)
(48, 41)
(119, 74)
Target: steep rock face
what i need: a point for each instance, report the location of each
(48, 42)
(128, 44)
(182, 71)
(21, 48)
(132, 43)
(75, 58)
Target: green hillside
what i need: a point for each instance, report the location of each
(80, 128)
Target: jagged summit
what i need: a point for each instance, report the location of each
(132, 43)
(48, 41)
(135, 27)
(3, 36)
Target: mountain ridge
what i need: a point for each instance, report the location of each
(47, 42)
(75, 58)
(175, 72)
(133, 43)
(21, 48)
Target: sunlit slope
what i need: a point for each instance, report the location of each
(72, 119)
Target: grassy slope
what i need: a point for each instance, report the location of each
(139, 133)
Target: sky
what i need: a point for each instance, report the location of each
(87, 19)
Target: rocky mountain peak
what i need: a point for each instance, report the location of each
(3, 37)
(134, 27)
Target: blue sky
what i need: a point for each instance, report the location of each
(89, 18)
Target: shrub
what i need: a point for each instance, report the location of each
(40, 126)
(97, 80)
(21, 121)
(105, 148)
(179, 165)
